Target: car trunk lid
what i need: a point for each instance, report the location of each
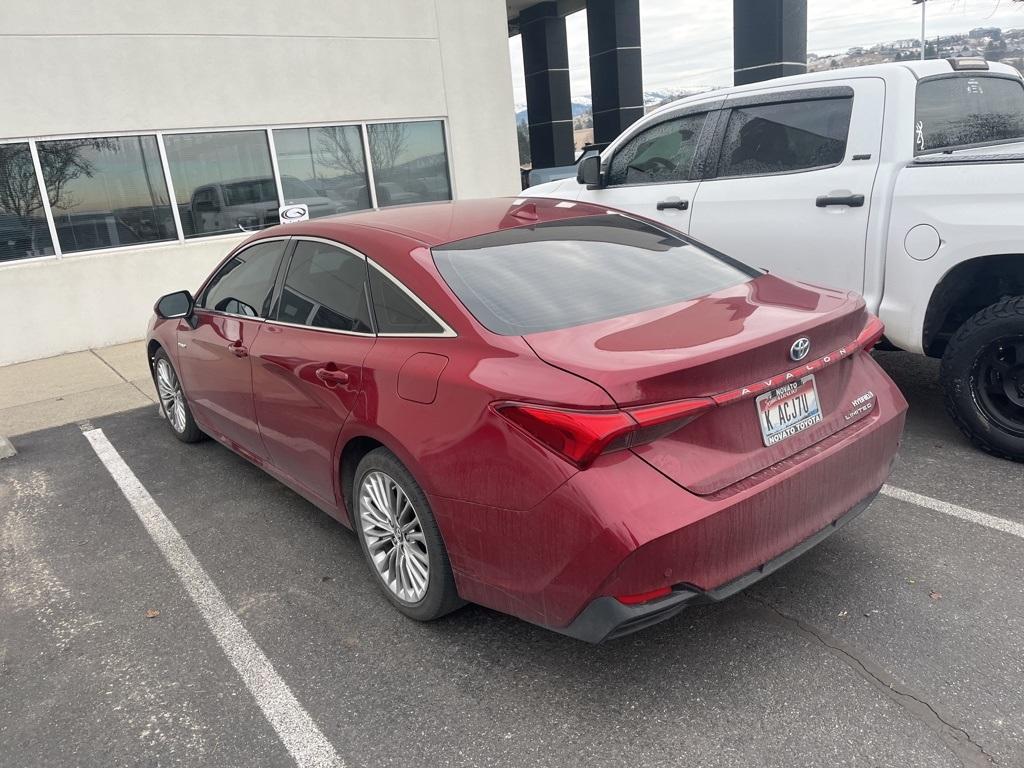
(729, 346)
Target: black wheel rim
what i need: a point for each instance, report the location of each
(998, 383)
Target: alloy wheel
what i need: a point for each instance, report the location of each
(999, 383)
(171, 398)
(394, 536)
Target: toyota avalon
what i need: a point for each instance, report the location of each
(559, 411)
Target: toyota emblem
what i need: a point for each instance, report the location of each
(800, 348)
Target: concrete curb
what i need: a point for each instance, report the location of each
(6, 449)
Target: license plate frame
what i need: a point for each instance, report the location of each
(799, 398)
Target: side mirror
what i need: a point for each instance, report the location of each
(589, 172)
(173, 305)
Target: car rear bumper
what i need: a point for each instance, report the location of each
(623, 528)
(605, 618)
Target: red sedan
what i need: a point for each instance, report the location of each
(562, 412)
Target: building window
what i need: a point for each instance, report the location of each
(223, 181)
(410, 163)
(23, 229)
(106, 192)
(323, 168)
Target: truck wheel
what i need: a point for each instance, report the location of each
(983, 377)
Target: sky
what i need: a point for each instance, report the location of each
(688, 43)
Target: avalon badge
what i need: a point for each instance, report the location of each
(800, 349)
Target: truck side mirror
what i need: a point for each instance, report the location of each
(589, 172)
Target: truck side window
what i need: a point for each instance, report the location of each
(778, 138)
(661, 153)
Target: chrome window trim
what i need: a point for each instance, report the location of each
(323, 330)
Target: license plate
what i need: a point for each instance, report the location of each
(788, 410)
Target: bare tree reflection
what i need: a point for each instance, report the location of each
(386, 145)
(66, 160)
(19, 191)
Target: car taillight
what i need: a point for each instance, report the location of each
(581, 436)
(871, 334)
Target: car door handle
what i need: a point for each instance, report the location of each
(853, 201)
(679, 205)
(331, 377)
(238, 350)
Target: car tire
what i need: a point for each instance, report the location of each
(173, 403)
(982, 376)
(381, 483)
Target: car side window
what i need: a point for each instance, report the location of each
(662, 153)
(325, 287)
(244, 284)
(779, 138)
(395, 310)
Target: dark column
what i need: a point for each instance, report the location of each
(769, 39)
(616, 79)
(546, 61)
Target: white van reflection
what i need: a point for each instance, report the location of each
(252, 204)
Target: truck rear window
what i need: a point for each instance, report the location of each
(560, 274)
(962, 111)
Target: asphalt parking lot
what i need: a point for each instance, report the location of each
(895, 643)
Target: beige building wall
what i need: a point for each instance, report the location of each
(117, 66)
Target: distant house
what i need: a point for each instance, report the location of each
(855, 51)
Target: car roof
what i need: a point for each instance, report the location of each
(432, 224)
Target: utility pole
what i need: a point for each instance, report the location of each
(922, 3)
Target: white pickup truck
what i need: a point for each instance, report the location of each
(903, 182)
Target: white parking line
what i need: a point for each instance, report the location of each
(954, 510)
(296, 729)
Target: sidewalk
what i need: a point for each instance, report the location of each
(79, 385)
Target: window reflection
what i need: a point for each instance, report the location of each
(106, 192)
(223, 181)
(410, 163)
(23, 229)
(324, 168)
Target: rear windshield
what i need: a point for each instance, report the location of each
(962, 111)
(565, 273)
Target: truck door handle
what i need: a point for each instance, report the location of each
(238, 350)
(853, 201)
(331, 377)
(679, 205)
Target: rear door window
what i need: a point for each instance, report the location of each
(244, 284)
(325, 287)
(570, 272)
(786, 137)
(662, 153)
(963, 111)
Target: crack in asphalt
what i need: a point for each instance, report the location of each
(960, 742)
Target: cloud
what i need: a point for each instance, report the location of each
(688, 43)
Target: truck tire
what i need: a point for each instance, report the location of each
(982, 376)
